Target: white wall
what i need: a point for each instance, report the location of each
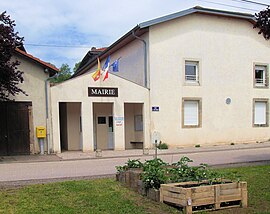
(73, 125)
(226, 49)
(131, 63)
(76, 90)
(34, 86)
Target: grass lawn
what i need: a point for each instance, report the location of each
(258, 180)
(107, 196)
(87, 196)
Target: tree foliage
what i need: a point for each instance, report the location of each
(263, 22)
(64, 74)
(76, 66)
(10, 76)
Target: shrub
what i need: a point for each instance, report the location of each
(162, 146)
(129, 165)
(157, 172)
(154, 173)
(134, 164)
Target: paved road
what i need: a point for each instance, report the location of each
(99, 167)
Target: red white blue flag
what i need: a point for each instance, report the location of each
(106, 67)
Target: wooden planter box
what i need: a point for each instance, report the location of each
(208, 197)
(121, 177)
(153, 194)
(134, 177)
(130, 178)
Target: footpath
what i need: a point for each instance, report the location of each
(139, 153)
(86, 165)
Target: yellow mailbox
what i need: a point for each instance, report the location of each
(41, 132)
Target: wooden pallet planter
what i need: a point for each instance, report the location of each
(121, 177)
(141, 188)
(153, 194)
(130, 177)
(211, 197)
(134, 177)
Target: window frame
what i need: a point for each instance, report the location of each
(266, 75)
(266, 113)
(197, 63)
(199, 100)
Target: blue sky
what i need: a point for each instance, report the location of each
(83, 24)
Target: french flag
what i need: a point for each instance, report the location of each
(106, 67)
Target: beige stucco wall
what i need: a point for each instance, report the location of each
(76, 90)
(131, 62)
(73, 125)
(226, 49)
(34, 86)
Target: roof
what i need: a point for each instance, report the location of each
(47, 65)
(93, 53)
(144, 26)
(197, 9)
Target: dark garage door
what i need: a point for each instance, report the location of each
(14, 128)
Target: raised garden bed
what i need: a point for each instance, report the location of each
(194, 196)
(200, 188)
(131, 179)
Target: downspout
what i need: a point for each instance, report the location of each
(145, 57)
(145, 80)
(47, 112)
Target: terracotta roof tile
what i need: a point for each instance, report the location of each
(46, 64)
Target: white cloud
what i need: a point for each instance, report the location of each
(94, 23)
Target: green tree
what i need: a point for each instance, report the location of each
(10, 76)
(64, 73)
(76, 66)
(263, 22)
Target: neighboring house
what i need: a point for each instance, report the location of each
(199, 76)
(19, 119)
(92, 54)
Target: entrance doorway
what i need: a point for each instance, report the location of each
(134, 130)
(70, 126)
(14, 128)
(103, 126)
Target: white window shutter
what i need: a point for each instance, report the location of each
(191, 113)
(260, 113)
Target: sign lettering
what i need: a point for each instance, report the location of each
(102, 92)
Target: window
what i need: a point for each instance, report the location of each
(261, 76)
(101, 120)
(191, 113)
(138, 122)
(191, 71)
(260, 112)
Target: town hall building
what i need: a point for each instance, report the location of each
(199, 76)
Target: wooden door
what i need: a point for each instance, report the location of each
(3, 129)
(14, 133)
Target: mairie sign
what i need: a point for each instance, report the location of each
(102, 92)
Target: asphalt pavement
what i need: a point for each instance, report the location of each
(75, 165)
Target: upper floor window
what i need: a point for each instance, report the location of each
(260, 76)
(191, 71)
